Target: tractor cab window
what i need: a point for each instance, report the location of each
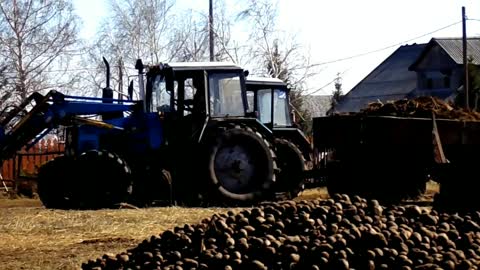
(160, 96)
(195, 95)
(265, 105)
(250, 101)
(281, 115)
(225, 95)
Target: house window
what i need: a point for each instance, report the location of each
(429, 83)
(446, 82)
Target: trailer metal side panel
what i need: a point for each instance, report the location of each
(390, 136)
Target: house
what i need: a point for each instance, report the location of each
(433, 69)
(391, 80)
(439, 67)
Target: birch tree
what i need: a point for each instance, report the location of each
(37, 38)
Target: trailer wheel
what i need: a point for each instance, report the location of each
(292, 166)
(104, 180)
(241, 164)
(55, 184)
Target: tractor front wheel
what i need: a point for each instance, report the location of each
(104, 180)
(55, 184)
(241, 164)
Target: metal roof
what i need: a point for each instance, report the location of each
(454, 48)
(391, 80)
(264, 81)
(202, 65)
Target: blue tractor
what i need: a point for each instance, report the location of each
(187, 139)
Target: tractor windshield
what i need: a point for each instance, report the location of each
(226, 95)
(281, 115)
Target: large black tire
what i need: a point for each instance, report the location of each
(292, 166)
(104, 180)
(154, 189)
(241, 165)
(55, 184)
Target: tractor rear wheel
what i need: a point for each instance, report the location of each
(55, 184)
(241, 164)
(292, 166)
(104, 180)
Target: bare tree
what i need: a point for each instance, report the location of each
(191, 41)
(138, 29)
(190, 38)
(135, 29)
(3, 79)
(288, 61)
(155, 32)
(37, 38)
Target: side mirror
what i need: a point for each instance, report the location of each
(246, 72)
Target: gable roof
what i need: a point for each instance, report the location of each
(454, 48)
(390, 80)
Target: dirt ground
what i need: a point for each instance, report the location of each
(32, 237)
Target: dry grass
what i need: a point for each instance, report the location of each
(314, 193)
(32, 237)
(37, 238)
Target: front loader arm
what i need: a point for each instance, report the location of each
(49, 112)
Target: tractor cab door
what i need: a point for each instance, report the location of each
(181, 104)
(273, 107)
(227, 97)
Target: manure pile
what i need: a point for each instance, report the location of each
(421, 107)
(338, 233)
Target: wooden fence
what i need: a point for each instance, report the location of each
(26, 162)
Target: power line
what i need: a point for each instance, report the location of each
(383, 48)
(323, 87)
(313, 65)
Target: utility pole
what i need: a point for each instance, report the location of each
(210, 29)
(465, 61)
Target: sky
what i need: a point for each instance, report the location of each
(333, 30)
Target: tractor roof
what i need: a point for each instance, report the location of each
(265, 81)
(185, 66)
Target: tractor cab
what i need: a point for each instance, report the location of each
(207, 88)
(194, 93)
(269, 99)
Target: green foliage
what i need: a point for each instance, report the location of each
(474, 88)
(337, 93)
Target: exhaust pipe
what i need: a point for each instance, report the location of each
(139, 66)
(107, 92)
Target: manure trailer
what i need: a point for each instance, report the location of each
(187, 139)
(392, 158)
